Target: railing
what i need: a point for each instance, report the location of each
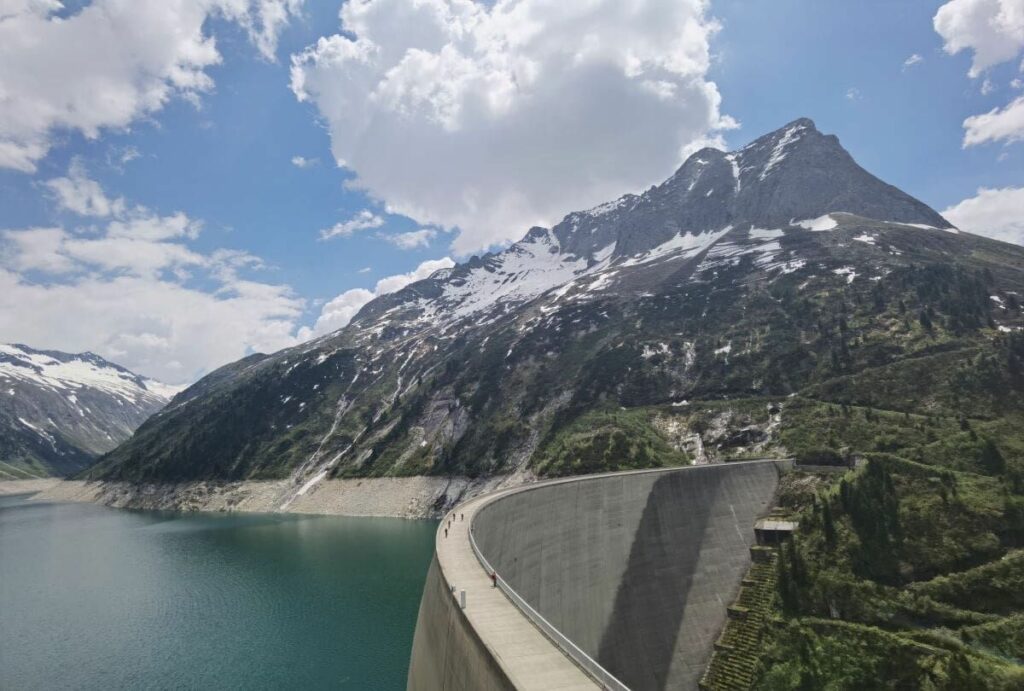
(584, 661)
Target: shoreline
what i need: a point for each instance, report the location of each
(415, 497)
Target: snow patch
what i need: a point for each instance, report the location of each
(651, 351)
(820, 223)
(779, 151)
(608, 207)
(765, 233)
(685, 244)
(74, 373)
(847, 271)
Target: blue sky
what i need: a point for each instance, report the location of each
(222, 151)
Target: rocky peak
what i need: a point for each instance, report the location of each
(791, 174)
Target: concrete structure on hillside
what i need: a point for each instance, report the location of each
(634, 569)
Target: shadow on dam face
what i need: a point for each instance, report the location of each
(636, 569)
(654, 591)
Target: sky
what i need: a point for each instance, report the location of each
(185, 182)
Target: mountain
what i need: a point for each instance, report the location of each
(692, 322)
(61, 411)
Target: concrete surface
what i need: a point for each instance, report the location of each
(487, 645)
(635, 568)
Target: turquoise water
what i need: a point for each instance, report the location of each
(97, 598)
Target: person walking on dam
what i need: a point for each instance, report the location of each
(494, 579)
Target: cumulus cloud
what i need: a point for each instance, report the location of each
(995, 213)
(992, 29)
(392, 283)
(109, 63)
(134, 290)
(79, 194)
(999, 124)
(263, 20)
(160, 328)
(412, 239)
(339, 312)
(364, 220)
(493, 118)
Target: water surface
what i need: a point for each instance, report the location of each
(99, 598)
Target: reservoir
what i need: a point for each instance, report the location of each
(100, 598)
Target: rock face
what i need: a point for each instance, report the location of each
(792, 174)
(766, 271)
(60, 411)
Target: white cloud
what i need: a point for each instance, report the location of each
(992, 29)
(109, 64)
(133, 290)
(159, 328)
(83, 196)
(263, 20)
(120, 156)
(143, 225)
(412, 239)
(495, 118)
(303, 162)
(365, 270)
(996, 213)
(392, 283)
(914, 59)
(999, 124)
(338, 312)
(853, 94)
(37, 249)
(363, 220)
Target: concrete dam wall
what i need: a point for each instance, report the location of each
(446, 652)
(636, 569)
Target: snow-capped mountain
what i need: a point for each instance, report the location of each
(795, 177)
(59, 411)
(732, 277)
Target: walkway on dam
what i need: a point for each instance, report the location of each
(527, 656)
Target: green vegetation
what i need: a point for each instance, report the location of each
(901, 575)
(607, 440)
(736, 660)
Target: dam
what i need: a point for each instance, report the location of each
(616, 581)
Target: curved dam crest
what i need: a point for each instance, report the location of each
(636, 569)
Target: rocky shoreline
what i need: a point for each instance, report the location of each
(400, 497)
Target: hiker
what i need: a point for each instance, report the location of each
(494, 579)
(462, 516)
(446, 532)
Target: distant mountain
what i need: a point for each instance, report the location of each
(782, 270)
(59, 412)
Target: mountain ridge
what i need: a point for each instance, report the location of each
(725, 280)
(63, 410)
